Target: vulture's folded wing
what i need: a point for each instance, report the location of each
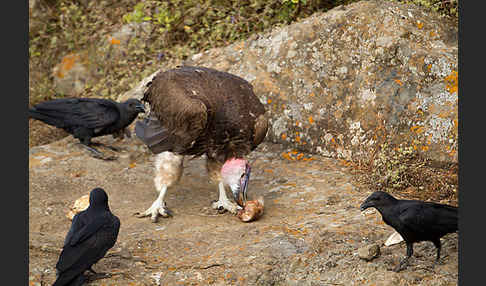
(177, 118)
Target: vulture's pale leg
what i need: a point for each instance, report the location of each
(168, 171)
(214, 172)
(223, 201)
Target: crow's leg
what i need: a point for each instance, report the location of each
(438, 246)
(404, 262)
(85, 139)
(168, 171)
(97, 275)
(116, 149)
(127, 133)
(97, 154)
(78, 281)
(91, 270)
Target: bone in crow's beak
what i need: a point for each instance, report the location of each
(240, 193)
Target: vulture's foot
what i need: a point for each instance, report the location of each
(98, 154)
(222, 205)
(157, 209)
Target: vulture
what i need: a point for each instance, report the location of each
(201, 111)
(93, 232)
(86, 118)
(414, 220)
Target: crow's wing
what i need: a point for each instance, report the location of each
(86, 112)
(74, 259)
(89, 223)
(76, 226)
(427, 220)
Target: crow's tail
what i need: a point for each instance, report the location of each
(448, 218)
(46, 117)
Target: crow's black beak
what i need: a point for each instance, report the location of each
(365, 205)
(140, 107)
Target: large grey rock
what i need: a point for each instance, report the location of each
(344, 82)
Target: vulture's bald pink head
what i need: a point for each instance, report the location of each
(236, 174)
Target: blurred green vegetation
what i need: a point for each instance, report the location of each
(176, 30)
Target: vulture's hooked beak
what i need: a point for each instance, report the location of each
(140, 107)
(239, 194)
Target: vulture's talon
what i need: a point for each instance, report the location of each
(154, 212)
(165, 212)
(225, 206)
(154, 219)
(139, 215)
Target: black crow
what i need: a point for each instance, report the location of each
(93, 232)
(414, 220)
(86, 118)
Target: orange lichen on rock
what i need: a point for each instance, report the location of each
(417, 129)
(451, 82)
(114, 41)
(67, 63)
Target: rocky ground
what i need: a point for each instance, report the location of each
(309, 234)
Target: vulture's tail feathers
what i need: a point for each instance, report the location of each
(153, 134)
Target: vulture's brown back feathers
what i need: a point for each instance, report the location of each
(203, 110)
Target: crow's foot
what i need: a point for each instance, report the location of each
(113, 148)
(402, 265)
(98, 154)
(98, 275)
